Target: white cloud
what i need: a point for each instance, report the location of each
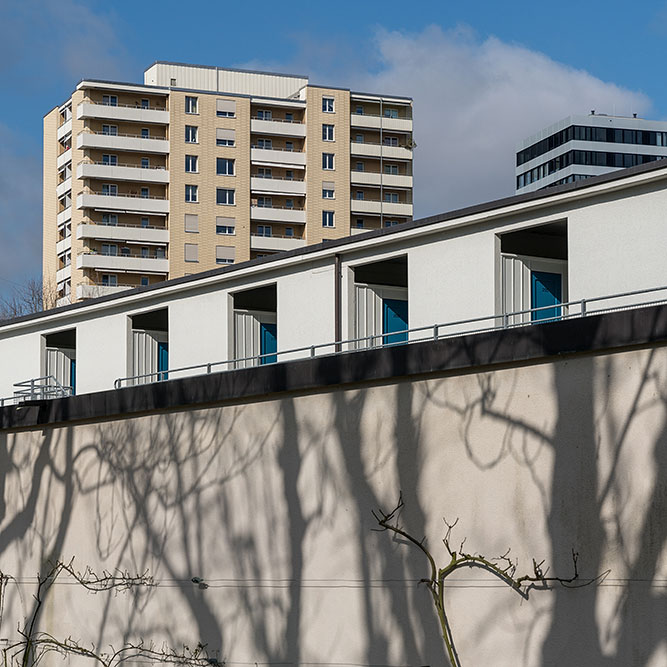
(474, 100)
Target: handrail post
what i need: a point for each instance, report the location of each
(208, 368)
(505, 320)
(312, 351)
(435, 332)
(583, 307)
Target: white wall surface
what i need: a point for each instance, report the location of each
(102, 353)
(198, 330)
(20, 359)
(618, 245)
(306, 307)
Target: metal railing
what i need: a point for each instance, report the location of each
(37, 389)
(123, 106)
(276, 178)
(120, 255)
(279, 120)
(284, 208)
(119, 134)
(377, 115)
(276, 236)
(475, 325)
(119, 164)
(282, 150)
(121, 224)
(376, 143)
(120, 194)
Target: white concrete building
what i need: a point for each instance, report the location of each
(491, 261)
(579, 147)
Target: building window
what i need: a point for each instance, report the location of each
(359, 223)
(109, 249)
(263, 230)
(359, 110)
(191, 252)
(160, 253)
(289, 146)
(225, 108)
(109, 280)
(145, 193)
(110, 100)
(145, 281)
(289, 175)
(145, 252)
(391, 197)
(328, 104)
(391, 169)
(111, 130)
(145, 104)
(225, 226)
(111, 160)
(264, 172)
(328, 190)
(327, 161)
(109, 219)
(225, 137)
(224, 196)
(190, 105)
(358, 138)
(264, 202)
(327, 132)
(224, 254)
(224, 166)
(289, 232)
(191, 193)
(289, 117)
(145, 133)
(391, 113)
(145, 163)
(264, 114)
(265, 143)
(191, 164)
(390, 223)
(390, 141)
(109, 189)
(327, 194)
(360, 166)
(190, 134)
(144, 222)
(327, 218)
(289, 203)
(191, 223)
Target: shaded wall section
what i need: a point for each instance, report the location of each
(268, 498)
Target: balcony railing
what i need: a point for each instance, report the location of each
(277, 236)
(119, 164)
(119, 134)
(281, 208)
(37, 389)
(121, 254)
(88, 191)
(432, 332)
(277, 178)
(279, 120)
(120, 224)
(273, 148)
(125, 106)
(378, 115)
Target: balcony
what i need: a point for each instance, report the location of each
(122, 112)
(123, 233)
(122, 263)
(64, 274)
(371, 122)
(375, 207)
(63, 245)
(121, 172)
(64, 187)
(123, 203)
(64, 129)
(122, 142)
(277, 214)
(281, 128)
(277, 157)
(375, 178)
(93, 291)
(367, 149)
(64, 216)
(279, 243)
(63, 159)
(277, 186)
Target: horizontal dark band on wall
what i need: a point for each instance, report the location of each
(531, 343)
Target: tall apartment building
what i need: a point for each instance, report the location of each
(578, 147)
(202, 166)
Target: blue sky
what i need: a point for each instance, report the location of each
(483, 76)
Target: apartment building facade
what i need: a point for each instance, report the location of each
(203, 166)
(579, 147)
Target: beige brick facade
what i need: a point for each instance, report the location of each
(129, 142)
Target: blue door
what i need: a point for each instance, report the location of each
(268, 335)
(162, 360)
(546, 291)
(394, 318)
(72, 375)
